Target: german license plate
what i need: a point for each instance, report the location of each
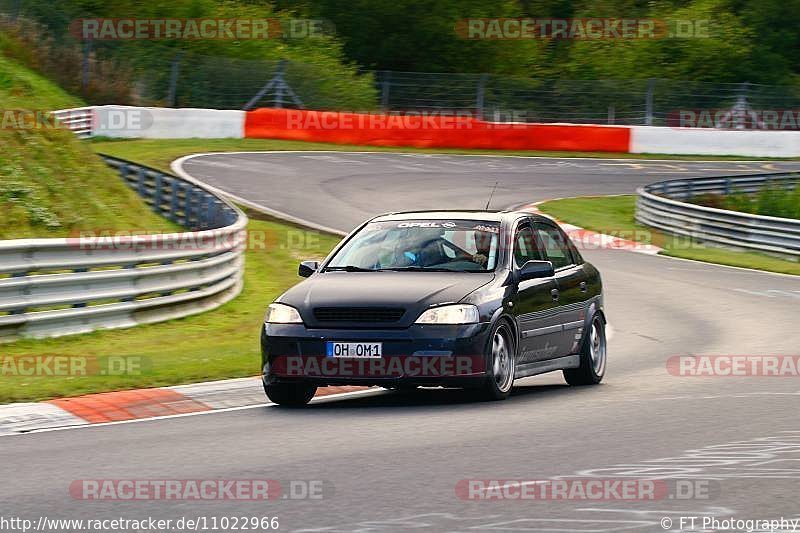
(356, 350)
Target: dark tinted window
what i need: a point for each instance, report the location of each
(525, 247)
(554, 245)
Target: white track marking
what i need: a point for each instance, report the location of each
(447, 154)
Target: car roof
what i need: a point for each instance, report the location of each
(478, 215)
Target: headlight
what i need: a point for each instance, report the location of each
(282, 314)
(450, 314)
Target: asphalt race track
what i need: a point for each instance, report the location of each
(340, 190)
(391, 461)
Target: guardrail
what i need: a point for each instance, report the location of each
(659, 206)
(51, 287)
(79, 120)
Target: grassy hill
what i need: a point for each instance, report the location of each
(51, 184)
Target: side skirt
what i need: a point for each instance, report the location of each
(540, 367)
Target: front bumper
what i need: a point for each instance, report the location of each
(418, 355)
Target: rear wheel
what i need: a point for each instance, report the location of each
(593, 356)
(290, 394)
(500, 360)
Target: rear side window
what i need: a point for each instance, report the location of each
(554, 246)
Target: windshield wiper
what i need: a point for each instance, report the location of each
(419, 269)
(349, 268)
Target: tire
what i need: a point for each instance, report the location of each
(594, 353)
(290, 394)
(500, 359)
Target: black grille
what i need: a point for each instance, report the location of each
(358, 314)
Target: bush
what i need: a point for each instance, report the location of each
(31, 44)
(772, 200)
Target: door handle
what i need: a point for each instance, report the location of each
(554, 294)
(584, 287)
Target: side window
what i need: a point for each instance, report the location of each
(525, 247)
(554, 246)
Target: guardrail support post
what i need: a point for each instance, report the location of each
(187, 207)
(140, 182)
(123, 171)
(173, 201)
(157, 199)
(19, 310)
(80, 304)
(205, 220)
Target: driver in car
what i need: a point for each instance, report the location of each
(483, 247)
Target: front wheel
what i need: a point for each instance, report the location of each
(290, 394)
(593, 356)
(501, 359)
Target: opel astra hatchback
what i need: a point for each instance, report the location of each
(470, 299)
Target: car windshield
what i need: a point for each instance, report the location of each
(421, 245)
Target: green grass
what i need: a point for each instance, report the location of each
(51, 184)
(614, 215)
(21, 88)
(218, 344)
(773, 200)
(164, 152)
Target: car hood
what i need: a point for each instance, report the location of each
(412, 291)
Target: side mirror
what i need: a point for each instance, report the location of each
(536, 270)
(307, 268)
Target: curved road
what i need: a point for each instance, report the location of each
(391, 462)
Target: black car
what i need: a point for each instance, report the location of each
(442, 298)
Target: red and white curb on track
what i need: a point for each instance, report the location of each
(126, 406)
(585, 239)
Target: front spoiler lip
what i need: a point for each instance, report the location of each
(433, 370)
(471, 380)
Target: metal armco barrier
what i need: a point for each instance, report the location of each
(660, 206)
(79, 120)
(100, 280)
